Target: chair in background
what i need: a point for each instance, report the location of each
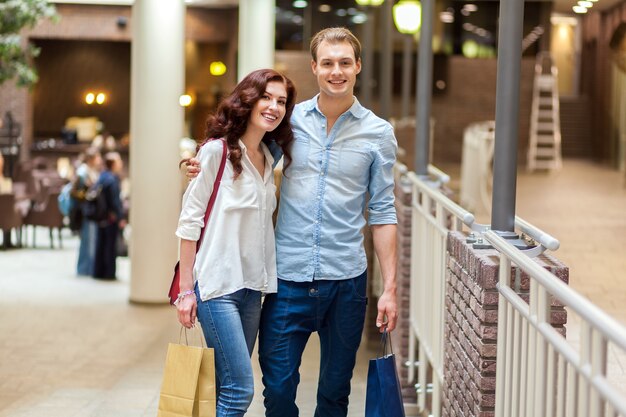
(10, 218)
(46, 214)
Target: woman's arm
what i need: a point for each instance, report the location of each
(187, 305)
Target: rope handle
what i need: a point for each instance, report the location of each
(180, 336)
(384, 339)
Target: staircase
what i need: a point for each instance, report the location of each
(544, 148)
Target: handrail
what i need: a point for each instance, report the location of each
(466, 217)
(439, 175)
(537, 234)
(612, 329)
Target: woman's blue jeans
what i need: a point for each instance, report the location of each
(87, 248)
(230, 324)
(333, 309)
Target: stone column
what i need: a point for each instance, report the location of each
(471, 325)
(156, 119)
(256, 35)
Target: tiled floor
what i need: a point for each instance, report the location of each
(75, 347)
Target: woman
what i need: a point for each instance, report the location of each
(109, 228)
(86, 175)
(222, 284)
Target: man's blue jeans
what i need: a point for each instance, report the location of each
(334, 309)
(230, 324)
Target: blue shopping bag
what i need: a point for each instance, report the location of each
(383, 397)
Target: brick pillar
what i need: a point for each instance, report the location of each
(400, 336)
(471, 324)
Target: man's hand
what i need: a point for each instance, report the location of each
(192, 168)
(387, 311)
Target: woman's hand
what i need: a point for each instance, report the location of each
(187, 308)
(192, 168)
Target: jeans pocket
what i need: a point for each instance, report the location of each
(359, 287)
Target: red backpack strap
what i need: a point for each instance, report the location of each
(216, 186)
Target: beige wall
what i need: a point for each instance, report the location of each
(563, 51)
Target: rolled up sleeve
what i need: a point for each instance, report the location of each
(381, 208)
(198, 193)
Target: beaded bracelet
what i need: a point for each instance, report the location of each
(182, 295)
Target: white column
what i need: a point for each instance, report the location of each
(256, 35)
(156, 119)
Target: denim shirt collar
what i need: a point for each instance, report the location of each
(357, 110)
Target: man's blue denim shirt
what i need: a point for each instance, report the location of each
(324, 191)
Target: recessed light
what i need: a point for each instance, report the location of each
(325, 8)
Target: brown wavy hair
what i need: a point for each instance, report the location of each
(231, 118)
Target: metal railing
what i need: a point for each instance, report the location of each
(434, 215)
(538, 372)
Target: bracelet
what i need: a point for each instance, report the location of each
(182, 295)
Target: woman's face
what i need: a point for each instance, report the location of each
(270, 109)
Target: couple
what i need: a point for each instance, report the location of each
(337, 154)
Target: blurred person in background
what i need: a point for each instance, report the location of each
(109, 228)
(87, 175)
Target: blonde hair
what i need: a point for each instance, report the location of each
(334, 36)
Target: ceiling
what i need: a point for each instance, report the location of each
(560, 6)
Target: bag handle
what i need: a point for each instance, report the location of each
(384, 339)
(180, 336)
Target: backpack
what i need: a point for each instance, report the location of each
(95, 205)
(65, 199)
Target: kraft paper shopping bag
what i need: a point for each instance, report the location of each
(188, 388)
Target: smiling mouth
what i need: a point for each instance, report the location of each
(337, 82)
(269, 117)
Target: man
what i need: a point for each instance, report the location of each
(341, 154)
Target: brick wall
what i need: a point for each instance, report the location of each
(471, 97)
(400, 337)
(471, 325)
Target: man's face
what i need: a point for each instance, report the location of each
(336, 69)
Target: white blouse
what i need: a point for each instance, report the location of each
(237, 249)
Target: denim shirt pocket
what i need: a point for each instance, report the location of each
(300, 150)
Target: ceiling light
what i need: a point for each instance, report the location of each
(579, 9)
(446, 17)
(359, 18)
(90, 98)
(100, 98)
(585, 4)
(325, 8)
(300, 4)
(369, 2)
(407, 15)
(184, 100)
(470, 7)
(217, 68)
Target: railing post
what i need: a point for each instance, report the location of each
(424, 89)
(504, 273)
(386, 61)
(507, 115)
